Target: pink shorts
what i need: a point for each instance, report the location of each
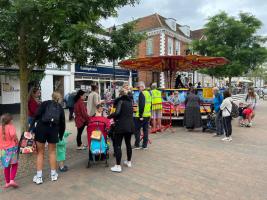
(156, 114)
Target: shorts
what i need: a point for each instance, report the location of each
(156, 114)
(45, 133)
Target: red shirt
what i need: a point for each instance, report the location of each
(33, 106)
(81, 115)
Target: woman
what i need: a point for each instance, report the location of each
(33, 104)
(81, 117)
(192, 117)
(251, 100)
(226, 108)
(50, 128)
(124, 128)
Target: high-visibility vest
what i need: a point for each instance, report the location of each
(148, 102)
(156, 100)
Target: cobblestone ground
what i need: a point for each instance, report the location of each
(179, 165)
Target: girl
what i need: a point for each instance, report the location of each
(9, 150)
(251, 100)
(226, 108)
(81, 117)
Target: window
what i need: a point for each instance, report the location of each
(177, 47)
(149, 47)
(170, 46)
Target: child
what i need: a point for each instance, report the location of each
(241, 109)
(9, 150)
(61, 152)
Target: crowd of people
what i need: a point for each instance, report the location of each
(47, 120)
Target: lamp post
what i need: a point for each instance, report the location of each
(114, 68)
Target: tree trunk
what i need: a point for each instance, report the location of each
(24, 78)
(230, 83)
(23, 75)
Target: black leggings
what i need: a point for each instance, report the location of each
(117, 146)
(79, 135)
(227, 125)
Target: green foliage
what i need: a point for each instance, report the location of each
(235, 39)
(38, 32)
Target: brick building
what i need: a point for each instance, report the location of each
(164, 37)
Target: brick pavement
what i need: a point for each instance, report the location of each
(178, 166)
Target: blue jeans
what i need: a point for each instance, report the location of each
(138, 125)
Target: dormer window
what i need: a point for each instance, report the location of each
(171, 23)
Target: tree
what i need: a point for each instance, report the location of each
(34, 33)
(235, 39)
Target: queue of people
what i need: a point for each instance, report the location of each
(47, 120)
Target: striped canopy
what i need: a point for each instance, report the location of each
(173, 63)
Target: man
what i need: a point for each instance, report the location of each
(93, 100)
(142, 116)
(156, 108)
(199, 85)
(217, 101)
(178, 82)
(69, 99)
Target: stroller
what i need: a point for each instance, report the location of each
(210, 124)
(98, 144)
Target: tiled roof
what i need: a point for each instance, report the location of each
(197, 34)
(155, 21)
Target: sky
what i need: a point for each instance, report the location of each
(193, 13)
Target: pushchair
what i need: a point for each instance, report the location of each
(210, 124)
(98, 145)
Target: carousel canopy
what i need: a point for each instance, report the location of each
(173, 63)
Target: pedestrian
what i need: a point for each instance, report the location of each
(192, 117)
(178, 82)
(9, 150)
(251, 101)
(69, 99)
(226, 108)
(33, 104)
(61, 152)
(81, 117)
(217, 101)
(124, 128)
(199, 85)
(93, 100)
(156, 108)
(142, 116)
(50, 128)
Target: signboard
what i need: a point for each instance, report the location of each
(99, 71)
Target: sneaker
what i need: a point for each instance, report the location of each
(136, 148)
(64, 169)
(230, 139)
(81, 148)
(7, 186)
(13, 184)
(54, 177)
(145, 148)
(116, 168)
(37, 180)
(127, 163)
(225, 139)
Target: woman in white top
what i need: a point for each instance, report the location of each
(251, 100)
(226, 108)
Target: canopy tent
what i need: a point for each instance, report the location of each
(173, 63)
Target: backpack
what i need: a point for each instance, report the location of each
(52, 113)
(235, 111)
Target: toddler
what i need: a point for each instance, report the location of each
(61, 152)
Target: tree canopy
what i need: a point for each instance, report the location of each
(34, 33)
(233, 38)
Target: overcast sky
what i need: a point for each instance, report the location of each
(191, 12)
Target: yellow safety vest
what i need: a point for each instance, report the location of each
(156, 100)
(147, 109)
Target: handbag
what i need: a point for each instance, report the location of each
(96, 135)
(27, 144)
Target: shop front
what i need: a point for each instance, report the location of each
(103, 76)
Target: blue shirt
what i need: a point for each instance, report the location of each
(218, 99)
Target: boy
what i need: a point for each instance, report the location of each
(61, 152)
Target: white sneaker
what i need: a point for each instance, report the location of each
(127, 163)
(54, 177)
(37, 180)
(230, 139)
(225, 139)
(116, 168)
